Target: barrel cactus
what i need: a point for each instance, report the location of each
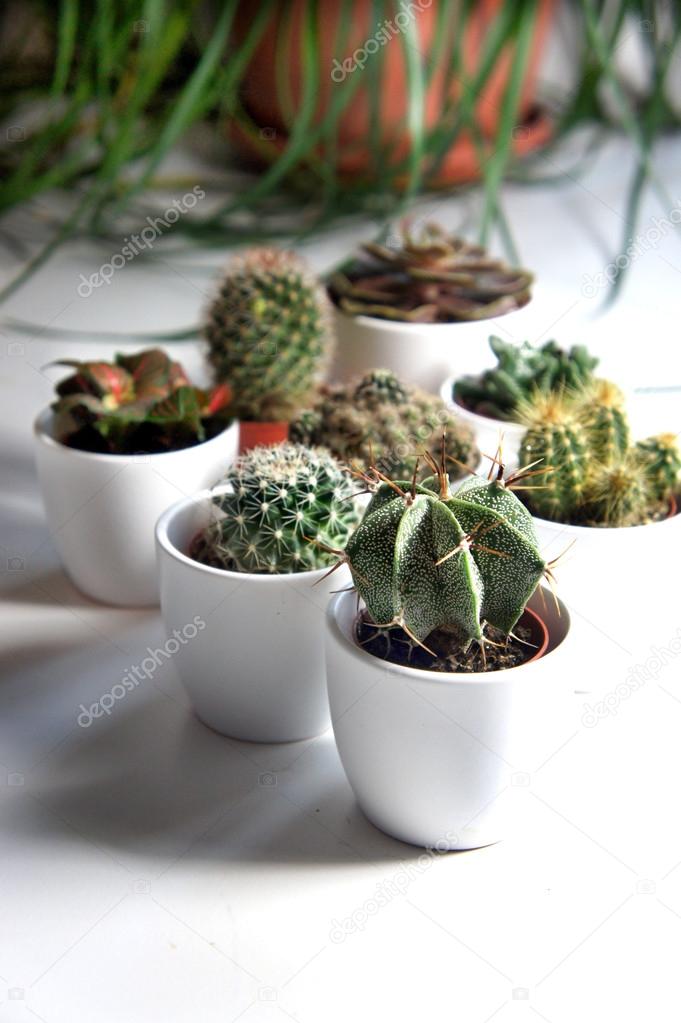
(382, 420)
(520, 371)
(279, 509)
(426, 557)
(269, 334)
(588, 471)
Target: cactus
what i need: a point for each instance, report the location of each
(380, 419)
(283, 508)
(520, 371)
(434, 278)
(601, 409)
(662, 459)
(559, 443)
(269, 335)
(139, 404)
(425, 557)
(589, 472)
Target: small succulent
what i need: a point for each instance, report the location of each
(520, 371)
(279, 509)
(269, 334)
(433, 278)
(139, 404)
(587, 470)
(386, 422)
(426, 557)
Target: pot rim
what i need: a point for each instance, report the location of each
(42, 430)
(577, 531)
(505, 425)
(164, 543)
(408, 327)
(434, 677)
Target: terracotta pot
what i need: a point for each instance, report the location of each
(253, 435)
(274, 109)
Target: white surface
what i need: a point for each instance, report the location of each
(153, 871)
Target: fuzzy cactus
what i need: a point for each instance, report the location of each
(279, 509)
(520, 371)
(434, 277)
(556, 440)
(269, 334)
(588, 471)
(662, 459)
(601, 409)
(383, 420)
(425, 557)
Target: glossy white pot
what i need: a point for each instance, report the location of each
(256, 669)
(487, 431)
(431, 756)
(419, 353)
(101, 509)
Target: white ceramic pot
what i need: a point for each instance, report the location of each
(256, 669)
(101, 509)
(429, 755)
(487, 431)
(418, 353)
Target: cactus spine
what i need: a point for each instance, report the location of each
(662, 459)
(282, 507)
(556, 439)
(269, 334)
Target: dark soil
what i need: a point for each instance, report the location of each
(496, 653)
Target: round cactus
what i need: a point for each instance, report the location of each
(278, 510)
(559, 443)
(269, 334)
(662, 458)
(384, 421)
(618, 493)
(425, 558)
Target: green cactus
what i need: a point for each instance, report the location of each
(520, 371)
(559, 443)
(590, 473)
(425, 557)
(384, 421)
(600, 408)
(662, 458)
(284, 508)
(269, 335)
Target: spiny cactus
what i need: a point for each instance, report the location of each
(600, 407)
(556, 440)
(269, 335)
(383, 420)
(662, 459)
(284, 507)
(139, 404)
(520, 371)
(435, 277)
(589, 473)
(425, 557)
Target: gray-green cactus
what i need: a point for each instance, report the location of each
(425, 557)
(285, 508)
